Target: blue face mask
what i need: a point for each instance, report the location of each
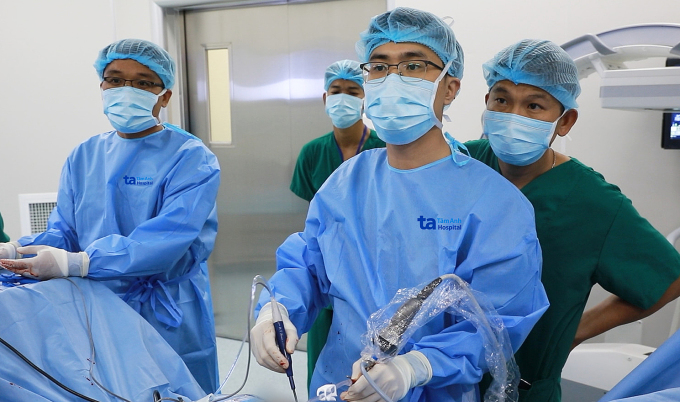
(344, 110)
(515, 139)
(402, 111)
(130, 110)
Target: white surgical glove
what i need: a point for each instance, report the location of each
(263, 342)
(394, 378)
(49, 262)
(9, 250)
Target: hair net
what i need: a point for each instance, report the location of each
(540, 63)
(343, 70)
(144, 52)
(409, 25)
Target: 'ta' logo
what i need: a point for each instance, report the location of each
(427, 223)
(130, 180)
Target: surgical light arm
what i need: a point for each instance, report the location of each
(631, 88)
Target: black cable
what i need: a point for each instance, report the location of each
(41, 371)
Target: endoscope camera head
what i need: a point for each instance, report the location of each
(389, 337)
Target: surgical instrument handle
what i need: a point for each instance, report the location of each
(388, 338)
(280, 336)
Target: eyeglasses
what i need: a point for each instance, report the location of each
(408, 70)
(139, 84)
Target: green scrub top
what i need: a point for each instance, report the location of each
(3, 237)
(318, 159)
(589, 233)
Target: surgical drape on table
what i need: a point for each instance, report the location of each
(47, 322)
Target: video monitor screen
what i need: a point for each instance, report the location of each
(670, 136)
(675, 126)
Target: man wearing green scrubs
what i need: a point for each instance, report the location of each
(320, 157)
(344, 105)
(7, 249)
(3, 237)
(589, 231)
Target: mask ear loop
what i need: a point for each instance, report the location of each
(563, 143)
(563, 139)
(446, 18)
(456, 146)
(450, 24)
(446, 69)
(158, 120)
(435, 85)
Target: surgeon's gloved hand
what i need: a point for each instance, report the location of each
(394, 378)
(9, 250)
(49, 262)
(263, 342)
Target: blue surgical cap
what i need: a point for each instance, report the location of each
(540, 63)
(144, 52)
(409, 25)
(343, 70)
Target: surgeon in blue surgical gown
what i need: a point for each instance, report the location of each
(136, 209)
(398, 218)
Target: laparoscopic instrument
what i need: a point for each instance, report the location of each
(387, 340)
(280, 334)
(388, 337)
(390, 328)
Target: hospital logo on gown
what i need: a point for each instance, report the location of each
(138, 181)
(440, 223)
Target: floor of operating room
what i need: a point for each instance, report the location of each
(263, 383)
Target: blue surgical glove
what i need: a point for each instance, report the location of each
(9, 250)
(49, 262)
(394, 378)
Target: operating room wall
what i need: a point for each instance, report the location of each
(49, 100)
